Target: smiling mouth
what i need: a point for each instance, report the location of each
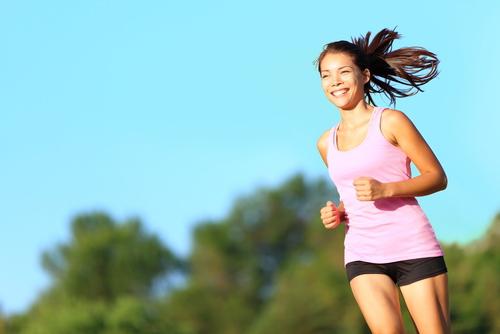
(339, 92)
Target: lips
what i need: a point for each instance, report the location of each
(339, 92)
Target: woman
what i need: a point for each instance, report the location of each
(389, 241)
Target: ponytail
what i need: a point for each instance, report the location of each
(410, 67)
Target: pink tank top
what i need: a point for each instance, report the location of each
(384, 230)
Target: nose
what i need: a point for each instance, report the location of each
(335, 80)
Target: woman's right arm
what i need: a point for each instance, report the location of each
(322, 145)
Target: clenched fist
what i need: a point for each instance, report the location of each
(369, 189)
(331, 215)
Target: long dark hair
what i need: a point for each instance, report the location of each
(411, 66)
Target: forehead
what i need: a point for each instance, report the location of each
(334, 61)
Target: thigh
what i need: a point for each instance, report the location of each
(378, 299)
(428, 303)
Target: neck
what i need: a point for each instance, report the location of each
(353, 117)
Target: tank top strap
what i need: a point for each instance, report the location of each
(375, 121)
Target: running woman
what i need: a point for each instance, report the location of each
(389, 241)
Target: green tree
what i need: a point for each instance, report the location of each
(312, 297)
(268, 267)
(235, 262)
(271, 267)
(76, 317)
(473, 280)
(105, 260)
(131, 315)
(3, 324)
(103, 281)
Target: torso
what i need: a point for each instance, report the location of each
(387, 229)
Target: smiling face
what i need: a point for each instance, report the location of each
(342, 81)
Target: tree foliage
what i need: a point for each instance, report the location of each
(105, 260)
(269, 266)
(103, 280)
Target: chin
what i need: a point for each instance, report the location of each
(347, 104)
(344, 105)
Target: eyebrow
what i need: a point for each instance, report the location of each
(338, 68)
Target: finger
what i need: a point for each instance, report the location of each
(325, 209)
(328, 221)
(363, 192)
(332, 225)
(360, 181)
(323, 217)
(366, 193)
(331, 211)
(362, 186)
(359, 185)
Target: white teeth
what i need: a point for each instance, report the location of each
(339, 92)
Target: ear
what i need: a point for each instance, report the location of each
(366, 75)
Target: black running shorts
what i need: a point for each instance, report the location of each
(401, 272)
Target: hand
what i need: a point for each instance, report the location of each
(369, 189)
(331, 215)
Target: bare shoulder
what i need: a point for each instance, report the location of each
(394, 116)
(323, 139)
(322, 144)
(412, 143)
(392, 121)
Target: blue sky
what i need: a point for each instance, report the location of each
(168, 112)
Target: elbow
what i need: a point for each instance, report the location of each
(444, 182)
(439, 180)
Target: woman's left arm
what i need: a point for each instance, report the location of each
(432, 177)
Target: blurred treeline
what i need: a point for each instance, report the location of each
(268, 267)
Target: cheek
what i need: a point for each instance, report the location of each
(360, 80)
(324, 85)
